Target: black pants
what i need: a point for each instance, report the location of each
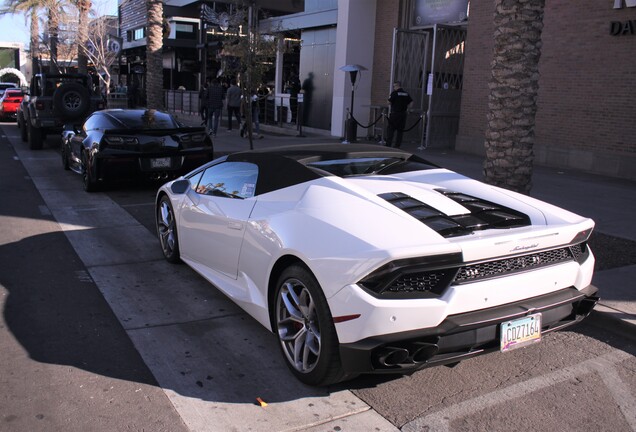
(397, 122)
(236, 110)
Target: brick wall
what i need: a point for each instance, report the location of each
(587, 96)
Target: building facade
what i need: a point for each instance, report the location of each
(587, 86)
(441, 52)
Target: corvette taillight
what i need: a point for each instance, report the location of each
(115, 141)
(192, 140)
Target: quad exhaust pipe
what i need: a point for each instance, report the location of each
(392, 356)
(416, 352)
(159, 176)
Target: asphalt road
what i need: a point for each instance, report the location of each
(66, 363)
(99, 333)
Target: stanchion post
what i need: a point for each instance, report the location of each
(299, 115)
(382, 140)
(422, 135)
(346, 134)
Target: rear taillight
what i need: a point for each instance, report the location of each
(39, 105)
(192, 140)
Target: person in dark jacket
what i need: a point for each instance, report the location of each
(214, 98)
(400, 101)
(233, 104)
(203, 105)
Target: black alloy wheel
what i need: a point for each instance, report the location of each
(65, 163)
(90, 185)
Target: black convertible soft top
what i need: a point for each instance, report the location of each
(281, 167)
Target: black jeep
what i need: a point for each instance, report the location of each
(54, 100)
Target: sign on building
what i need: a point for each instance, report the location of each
(428, 12)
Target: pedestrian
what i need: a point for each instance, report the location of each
(254, 100)
(293, 90)
(233, 104)
(400, 101)
(203, 109)
(214, 99)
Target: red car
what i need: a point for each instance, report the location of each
(9, 103)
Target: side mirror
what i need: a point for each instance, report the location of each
(180, 186)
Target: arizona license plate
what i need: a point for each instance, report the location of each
(520, 332)
(160, 162)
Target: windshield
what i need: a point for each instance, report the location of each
(144, 119)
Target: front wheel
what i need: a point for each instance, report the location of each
(305, 328)
(167, 230)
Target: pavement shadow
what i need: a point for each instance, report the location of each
(57, 313)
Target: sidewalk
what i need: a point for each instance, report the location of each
(610, 202)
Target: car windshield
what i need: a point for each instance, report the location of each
(145, 119)
(356, 166)
(369, 166)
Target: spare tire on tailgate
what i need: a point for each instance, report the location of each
(71, 100)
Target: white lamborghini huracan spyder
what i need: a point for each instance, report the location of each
(363, 259)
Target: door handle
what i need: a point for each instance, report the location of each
(235, 225)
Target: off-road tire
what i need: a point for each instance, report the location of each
(24, 136)
(71, 100)
(35, 138)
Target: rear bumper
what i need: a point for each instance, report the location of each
(463, 336)
(9, 111)
(114, 167)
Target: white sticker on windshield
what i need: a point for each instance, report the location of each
(248, 190)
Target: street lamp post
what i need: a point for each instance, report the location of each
(351, 125)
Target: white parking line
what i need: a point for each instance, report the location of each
(619, 391)
(441, 420)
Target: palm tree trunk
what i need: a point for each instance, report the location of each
(34, 40)
(514, 86)
(154, 55)
(54, 30)
(84, 7)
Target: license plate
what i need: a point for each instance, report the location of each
(160, 162)
(520, 332)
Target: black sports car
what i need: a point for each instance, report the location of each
(123, 144)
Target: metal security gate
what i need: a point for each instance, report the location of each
(434, 82)
(410, 62)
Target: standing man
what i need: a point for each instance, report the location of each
(214, 98)
(400, 101)
(233, 104)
